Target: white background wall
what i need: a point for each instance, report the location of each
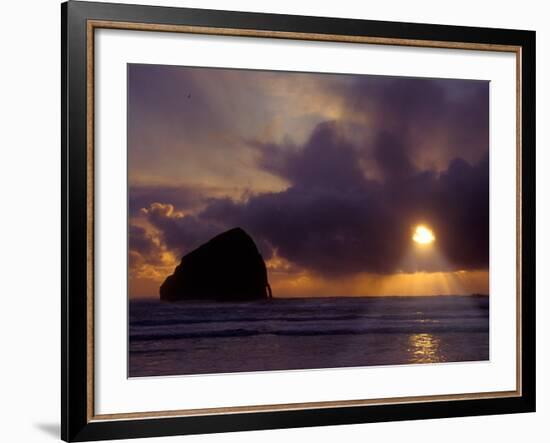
(30, 207)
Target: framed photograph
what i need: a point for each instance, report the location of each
(277, 221)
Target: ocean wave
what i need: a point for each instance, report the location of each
(243, 332)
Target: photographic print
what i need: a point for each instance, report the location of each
(292, 220)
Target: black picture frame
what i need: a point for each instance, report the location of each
(77, 424)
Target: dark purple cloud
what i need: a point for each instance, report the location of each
(334, 221)
(416, 111)
(391, 157)
(326, 157)
(139, 240)
(142, 247)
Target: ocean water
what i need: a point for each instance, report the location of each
(282, 334)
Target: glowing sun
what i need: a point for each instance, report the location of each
(423, 235)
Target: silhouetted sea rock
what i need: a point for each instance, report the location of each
(228, 267)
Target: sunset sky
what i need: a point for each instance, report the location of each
(329, 173)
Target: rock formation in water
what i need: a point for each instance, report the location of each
(226, 268)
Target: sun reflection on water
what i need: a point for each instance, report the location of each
(425, 348)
